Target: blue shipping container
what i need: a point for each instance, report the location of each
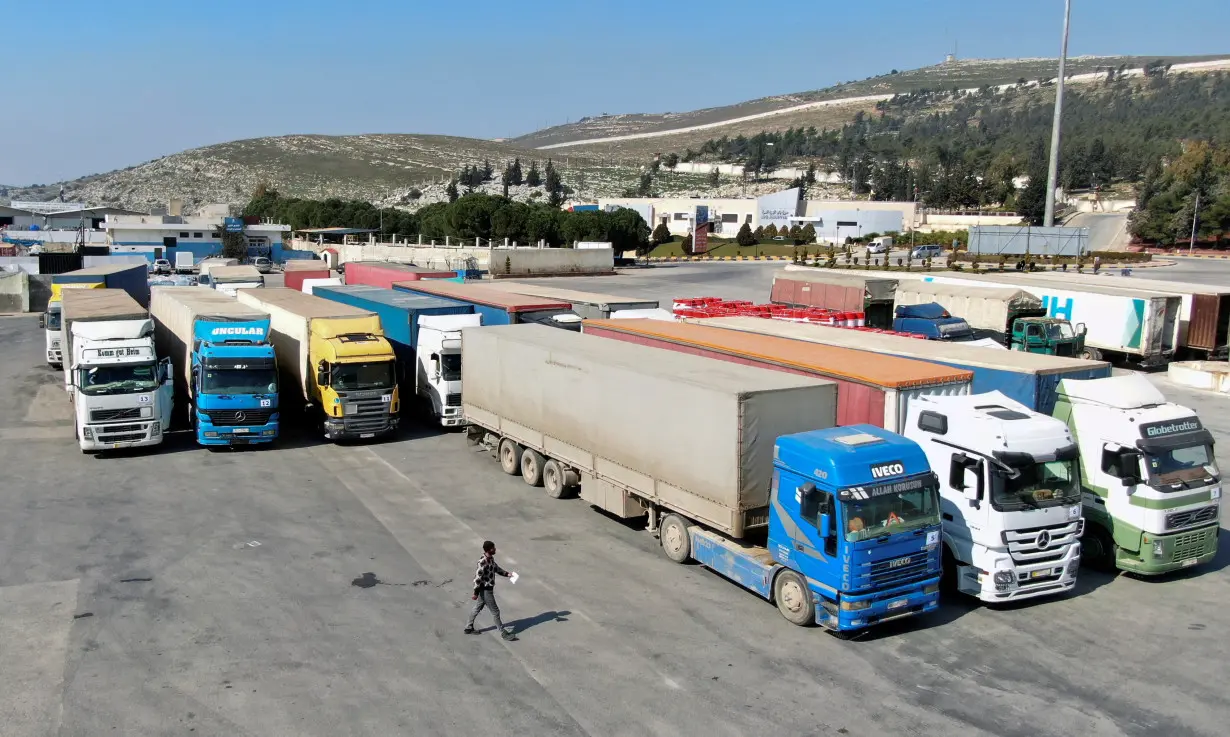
(132, 278)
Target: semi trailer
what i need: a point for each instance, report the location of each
(335, 364)
(837, 290)
(131, 278)
(589, 305)
(295, 271)
(495, 306)
(229, 279)
(383, 273)
(51, 322)
(736, 467)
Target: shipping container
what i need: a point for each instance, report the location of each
(95, 305)
(873, 389)
(1029, 378)
(692, 434)
(589, 305)
(176, 311)
(398, 311)
(132, 278)
(296, 270)
(496, 306)
(382, 273)
(833, 290)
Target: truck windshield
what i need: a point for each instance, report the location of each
(125, 378)
(358, 376)
(889, 514)
(1060, 331)
(240, 381)
(53, 319)
(1046, 484)
(1179, 465)
(955, 330)
(450, 366)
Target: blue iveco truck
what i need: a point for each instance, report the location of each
(838, 526)
(225, 370)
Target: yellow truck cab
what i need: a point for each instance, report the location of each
(338, 358)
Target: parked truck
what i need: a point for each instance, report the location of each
(871, 389)
(1149, 480)
(1204, 310)
(384, 273)
(497, 307)
(51, 322)
(226, 376)
(183, 262)
(589, 305)
(1015, 317)
(834, 290)
(425, 333)
(121, 392)
(839, 526)
(207, 265)
(1134, 326)
(229, 279)
(1010, 494)
(294, 271)
(933, 322)
(1030, 379)
(334, 361)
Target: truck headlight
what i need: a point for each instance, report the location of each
(147, 411)
(155, 430)
(1074, 566)
(1159, 550)
(87, 433)
(1004, 578)
(854, 606)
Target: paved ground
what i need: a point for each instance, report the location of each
(187, 591)
(1107, 230)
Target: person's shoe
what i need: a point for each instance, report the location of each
(509, 635)
(468, 630)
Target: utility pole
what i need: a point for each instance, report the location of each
(1191, 246)
(1052, 173)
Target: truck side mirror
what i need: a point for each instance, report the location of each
(823, 528)
(435, 366)
(322, 373)
(42, 322)
(1081, 329)
(956, 471)
(1129, 467)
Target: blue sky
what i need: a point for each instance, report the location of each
(112, 83)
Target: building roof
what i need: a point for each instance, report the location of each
(337, 231)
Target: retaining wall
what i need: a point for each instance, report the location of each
(14, 291)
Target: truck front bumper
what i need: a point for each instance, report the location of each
(452, 417)
(55, 357)
(253, 435)
(878, 607)
(1164, 553)
(342, 428)
(120, 435)
(1028, 580)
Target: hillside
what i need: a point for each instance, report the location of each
(388, 167)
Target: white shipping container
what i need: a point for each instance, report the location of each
(687, 432)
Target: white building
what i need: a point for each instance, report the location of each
(162, 236)
(680, 214)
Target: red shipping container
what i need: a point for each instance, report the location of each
(871, 387)
(295, 271)
(383, 273)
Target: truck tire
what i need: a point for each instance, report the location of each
(555, 480)
(676, 542)
(1098, 549)
(1091, 354)
(793, 599)
(510, 457)
(531, 467)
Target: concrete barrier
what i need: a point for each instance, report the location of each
(14, 291)
(1212, 376)
(499, 262)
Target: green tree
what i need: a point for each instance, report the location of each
(451, 190)
(514, 173)
(553, 185)
(234, 245)
(671, 160)
(771, 231)
(744, 237)
(715, 178)
(532, 177)
(808, 234)
(661, 234)
(759, 233)
(644, 187)
(627, 231)
(686, 245)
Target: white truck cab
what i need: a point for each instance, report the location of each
(121, 392)
(1010, 497)
(438, 361)
(1151, 485)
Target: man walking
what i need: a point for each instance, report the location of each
(484, 591)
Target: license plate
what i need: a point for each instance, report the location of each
(368, 435)
(1040, 574)
(898, 603)
(117, 445)
(1188, 562)
(241, 430)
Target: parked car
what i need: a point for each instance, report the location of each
(262, 264)
(162, 266)
(877, 248)
(929, 251)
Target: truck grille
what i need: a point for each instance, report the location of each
(238, 418)
(1178, 520)
(1031, 546)
(111, 415)
(896, 571)
(119, 433)
(1193, 544)
(365, 415)
(452, 400)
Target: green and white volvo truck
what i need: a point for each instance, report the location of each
(1150, 485)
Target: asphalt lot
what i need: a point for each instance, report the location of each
(183, 590)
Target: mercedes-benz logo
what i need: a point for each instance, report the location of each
(240, 417)
(1044, 539)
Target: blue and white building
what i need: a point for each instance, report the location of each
(163, 236)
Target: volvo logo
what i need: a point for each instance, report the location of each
(240, 417)
(1044, 539)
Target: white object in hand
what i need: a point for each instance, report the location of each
(512, 577)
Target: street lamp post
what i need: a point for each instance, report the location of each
(1052, 173)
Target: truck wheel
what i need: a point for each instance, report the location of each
(676, 543)
(1091, 354)
(1098, 549)
(510, 457)
(531, 467)
(794, 599)
(555, 479)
